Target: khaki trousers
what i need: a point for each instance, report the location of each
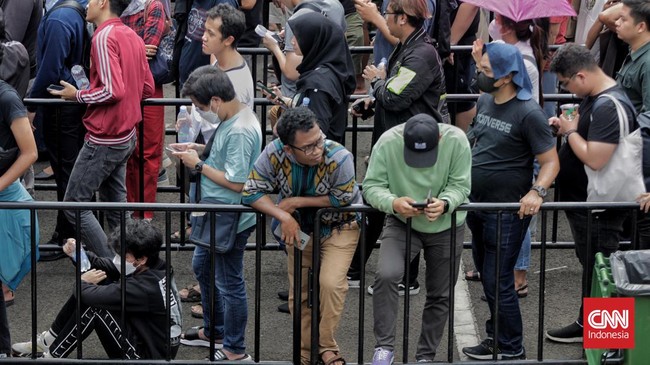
(336, 253)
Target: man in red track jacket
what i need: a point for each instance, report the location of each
(119, 80)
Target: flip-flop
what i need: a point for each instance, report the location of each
(191, 337)
(473, 275)
(176, 236)
(190, 294)
(197, 311)
(10, 302)
(521, 293)
(219, 355)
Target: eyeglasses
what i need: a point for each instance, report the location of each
(394, 13)
(311, 148)
(564, 84)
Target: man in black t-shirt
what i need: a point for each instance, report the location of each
(510, 130)
(590, 140)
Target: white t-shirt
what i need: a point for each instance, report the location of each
(242, 81)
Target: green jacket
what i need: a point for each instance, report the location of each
(388, 177)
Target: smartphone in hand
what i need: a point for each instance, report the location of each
(54, 87)
(261, 86)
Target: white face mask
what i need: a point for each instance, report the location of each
(209, 116)
(494, 29)
(129, 268)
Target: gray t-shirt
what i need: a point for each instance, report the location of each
(507, 138)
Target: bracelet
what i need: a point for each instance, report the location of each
(569, 132)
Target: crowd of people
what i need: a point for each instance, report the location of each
(428, 157)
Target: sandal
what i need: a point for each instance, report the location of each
(197, 311)
(176, 236)
(332, 360)
(473, 275)
(522, 292)
(192, 337)
(9, 298)
(219, 355)
(190, 294)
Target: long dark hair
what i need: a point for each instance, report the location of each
(535, 31)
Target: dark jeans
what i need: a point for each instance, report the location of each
(374, 227)
(606, 229)
(484, 250)
(5, 336)
(63, 133)
(643, 231)
(98, 168)
(105, 323)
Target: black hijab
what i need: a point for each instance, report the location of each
(323, 45)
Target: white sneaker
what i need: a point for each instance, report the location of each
(25, 349)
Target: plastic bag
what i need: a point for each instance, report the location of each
(631, 272)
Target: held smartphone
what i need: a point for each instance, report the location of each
(420, 205)
(260, 85)
(365, 113)
(172, 149)
(54, 87)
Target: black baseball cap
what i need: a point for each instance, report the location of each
(421, 135)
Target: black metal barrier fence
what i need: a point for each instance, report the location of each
(260, 237)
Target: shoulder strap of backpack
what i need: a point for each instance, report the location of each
(70, 4)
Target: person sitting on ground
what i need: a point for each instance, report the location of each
(146, 331)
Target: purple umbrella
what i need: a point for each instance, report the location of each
(519, 10)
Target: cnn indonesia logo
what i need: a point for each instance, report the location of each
(609, 323)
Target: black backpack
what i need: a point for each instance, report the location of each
(85, 59)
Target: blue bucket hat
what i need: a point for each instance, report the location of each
(506, 59)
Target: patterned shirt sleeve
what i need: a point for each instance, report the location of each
(262, 179)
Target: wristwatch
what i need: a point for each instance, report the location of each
(199, 166)
(540, 191)
(445, 203)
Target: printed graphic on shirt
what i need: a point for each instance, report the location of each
(493, 123)
(196, 24)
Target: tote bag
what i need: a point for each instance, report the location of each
(621, 180)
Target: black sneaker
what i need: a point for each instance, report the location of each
(569, 334)
(485, 351)
(414, 289)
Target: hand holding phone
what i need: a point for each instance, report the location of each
(54, 87)
(269, 92)
(422, 205)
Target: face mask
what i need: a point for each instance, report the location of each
(494, 29)
(209, 116)
(486, 83)
(129, 268)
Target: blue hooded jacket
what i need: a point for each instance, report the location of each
(60, 46)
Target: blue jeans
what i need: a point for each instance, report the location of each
(523, 260)
(230, 302)
(484, 245)
(98, 168)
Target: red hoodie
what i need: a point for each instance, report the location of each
(119, 80)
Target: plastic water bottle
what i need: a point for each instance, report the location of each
(185, 132)
(80, 77)
(381, 66)
(382, 63)
(305, 102)
(84, 263)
